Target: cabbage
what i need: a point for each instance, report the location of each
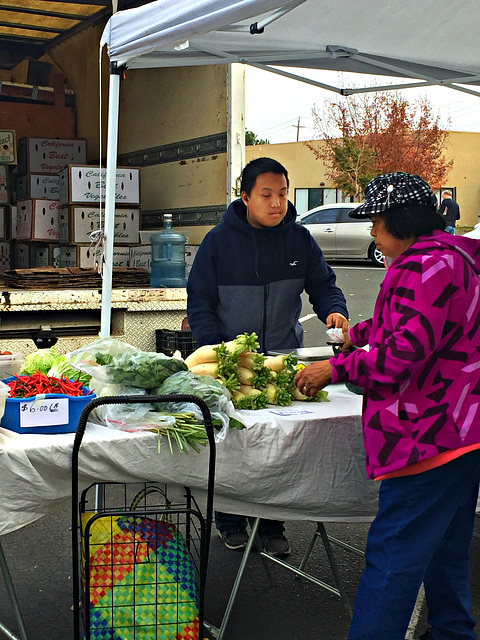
(62, 367)
(42, 361)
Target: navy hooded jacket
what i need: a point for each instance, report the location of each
(245, 279)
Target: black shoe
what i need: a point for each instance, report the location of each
(276, 545)
(427, 635)
(235, 540)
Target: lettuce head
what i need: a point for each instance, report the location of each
(41, 360)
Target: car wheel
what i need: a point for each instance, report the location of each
(376, 256)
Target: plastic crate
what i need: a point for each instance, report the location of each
(168, 341)
(11, 416)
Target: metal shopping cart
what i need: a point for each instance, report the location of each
(139, 555)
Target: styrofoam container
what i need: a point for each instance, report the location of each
(11, 416)
(11, 364)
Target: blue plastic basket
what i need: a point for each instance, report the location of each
(11, 416)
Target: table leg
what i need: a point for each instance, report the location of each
(228, 609)
(335, 569)
(13, 599)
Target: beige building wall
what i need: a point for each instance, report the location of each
(306, 172)
(464, 149)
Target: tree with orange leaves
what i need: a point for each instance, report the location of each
(365, 135)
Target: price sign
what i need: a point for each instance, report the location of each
(290, 411)
(44, 412)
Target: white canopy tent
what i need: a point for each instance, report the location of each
(433, 42)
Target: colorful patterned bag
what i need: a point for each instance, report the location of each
(139, 583)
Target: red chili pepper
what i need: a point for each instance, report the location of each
(27, 386)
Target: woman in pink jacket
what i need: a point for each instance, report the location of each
(421, 414)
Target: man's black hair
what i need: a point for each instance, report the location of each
(258, 166)
(412, 220)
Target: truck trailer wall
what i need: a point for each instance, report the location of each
(78, 58)
(172, 124)
(175, 121)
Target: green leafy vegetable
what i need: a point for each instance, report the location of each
(259, 401)
(102, 358)
(290, 362)
(143, 369)
(235, 424)
(41, 361)
(284, 397)
(262, 378)
(232, 382)
(188, 383)
(214, 394)
(112, 361)
(187, 432)
(322, 396)
(63, 368)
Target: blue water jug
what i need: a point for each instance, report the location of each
(168, 257)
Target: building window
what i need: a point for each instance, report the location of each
(306, 199)
(439, 192)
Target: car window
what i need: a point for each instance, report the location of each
(344, 217)
(326, 216)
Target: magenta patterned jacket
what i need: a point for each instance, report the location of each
(421, 374)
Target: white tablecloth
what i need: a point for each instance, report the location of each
(303, 462)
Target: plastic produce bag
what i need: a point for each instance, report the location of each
(215, 396)
(112, 361)
(118, 416)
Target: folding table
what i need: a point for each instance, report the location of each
(303, 462)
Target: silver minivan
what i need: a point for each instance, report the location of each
(339, 236)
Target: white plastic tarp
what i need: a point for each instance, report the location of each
(303, 462)
(432, 42)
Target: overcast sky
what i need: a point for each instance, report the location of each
(275, 104)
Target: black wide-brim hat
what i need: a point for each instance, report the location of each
(386, 191)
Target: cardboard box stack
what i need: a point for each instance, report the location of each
(33, 219)
(54, 200)
(51, 201)
(8, 160)
(81, 202)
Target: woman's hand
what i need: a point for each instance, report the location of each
(313, 378)
(347, 343)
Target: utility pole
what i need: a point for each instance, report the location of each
(298, 127)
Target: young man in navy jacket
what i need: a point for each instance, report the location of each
(248, 276)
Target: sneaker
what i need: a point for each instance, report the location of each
(276, 545)
(235, 540)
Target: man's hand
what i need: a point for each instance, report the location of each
(337, 320)
(313, 378)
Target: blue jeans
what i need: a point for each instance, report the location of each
(450, 230)
(230, 522)
(421, 533)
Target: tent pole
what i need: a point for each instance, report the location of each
(110, 185)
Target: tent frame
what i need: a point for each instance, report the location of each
(143, 53)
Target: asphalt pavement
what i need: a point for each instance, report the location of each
(289, 608)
